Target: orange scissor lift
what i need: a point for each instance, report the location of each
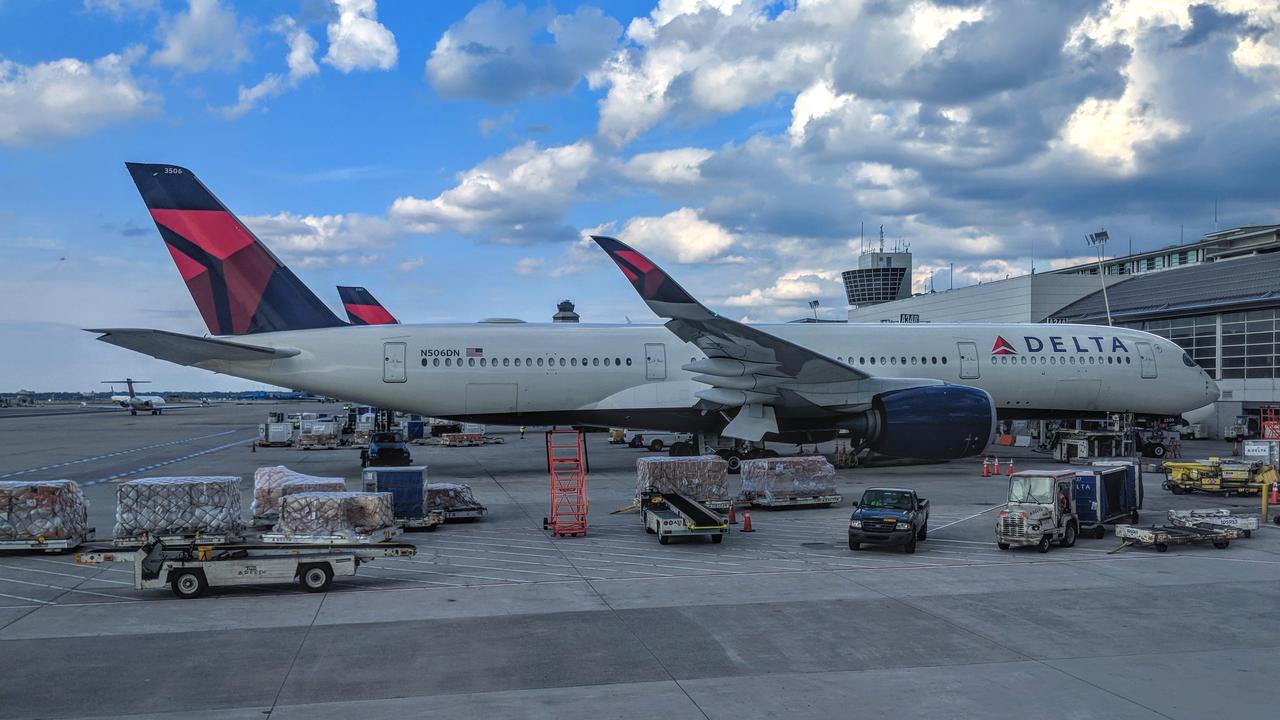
(566, 461)
(1270, 425)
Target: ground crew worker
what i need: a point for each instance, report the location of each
(521, 432)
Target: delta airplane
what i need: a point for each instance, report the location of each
(909, 390)
(133, 402)
(363, 308)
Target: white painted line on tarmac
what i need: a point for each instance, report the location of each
(153, 466)
(113, 454)
(59, 587)
(19, 597)
(18, 568)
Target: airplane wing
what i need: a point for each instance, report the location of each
(745, 366)
(188, 349)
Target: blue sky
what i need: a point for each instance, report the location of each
(449, 156)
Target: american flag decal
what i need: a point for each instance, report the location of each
(475, 352)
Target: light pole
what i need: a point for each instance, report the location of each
(813, 305)
(1099, 240)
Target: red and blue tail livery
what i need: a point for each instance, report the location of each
(238, 285)
(363, 309)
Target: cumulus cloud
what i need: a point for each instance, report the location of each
(411, 264)
(357, 41)
(69, 97)
(494, 53)
(681, 235)
(301, 63)
(519, 196)
(205, 36)
(668, 167)
(315, 235)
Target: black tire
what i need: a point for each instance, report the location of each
(855, 545)
(1146, 450)
(1248, 533)
(910, 546)
(1158, 451)
(735, 462)
(1045, 543)
(717, 538)
(1176, 490)
(133, 412)
(1002, 546)
(1161, 547)
(650, 530)
(637, 442)
(432, 528)
(1221, 544)
(924, 532)
(1099, 532)
(655, 445)
(664, 539)
(316, 577)
(188, 583)
(1134, 519)
(1069, 536)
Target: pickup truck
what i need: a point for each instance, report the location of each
(889, 516)
(386, 449)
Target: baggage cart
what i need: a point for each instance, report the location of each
(341, 537)
(1162, 536)
(176, 540)
(190, 570)
(1215, 517)
(669, 515)
(48, 544)
(1105, 495)
(778, 503)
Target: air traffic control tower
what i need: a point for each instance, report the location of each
(881, 276)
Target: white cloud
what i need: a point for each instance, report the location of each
(530, 266)
(668, 167)
(411, 264)
(519, 196)
(681, 235)
(301, 63)
(357, 41)
(69, 97)
(493, 53)
(310, 234)
(206, 36)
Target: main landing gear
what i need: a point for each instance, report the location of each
(712, 444)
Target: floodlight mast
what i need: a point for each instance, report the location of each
(1099, 240)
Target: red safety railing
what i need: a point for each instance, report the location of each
(566, 459)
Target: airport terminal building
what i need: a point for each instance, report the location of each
(1218, 298)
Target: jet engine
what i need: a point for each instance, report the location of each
(931, 422)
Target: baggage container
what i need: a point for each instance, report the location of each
(1105, 495)
(408, 489)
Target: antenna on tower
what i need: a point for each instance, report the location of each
(881, 238)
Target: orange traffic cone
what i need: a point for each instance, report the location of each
(1010, 466)
(733, 519)
(997, 470)
(1275, 494)
(986, 467)
(746, 521)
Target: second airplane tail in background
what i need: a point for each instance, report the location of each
(363, 309)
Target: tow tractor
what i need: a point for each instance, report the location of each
(190, 569)
(670, 515)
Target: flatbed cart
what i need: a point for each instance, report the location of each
(49, 545)
(343, 537)
(1215, 517)
(176, 540)
(428, 521)
(190, 570)
(780, 503)
(670, 515)
(1162, 536)
(464, 512)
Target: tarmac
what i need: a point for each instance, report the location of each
(497, 619)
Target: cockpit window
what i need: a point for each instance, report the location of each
(1186, 360)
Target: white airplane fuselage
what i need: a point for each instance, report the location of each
(139, 402)
(631, 374)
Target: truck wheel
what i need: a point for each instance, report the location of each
(315, 578)
(924, 532)
(1221, 544)
(637, 442)
(1133, 518)
(1045, 542)
(717, 538)
(735, 462)
(1176, 489)
(1158, 450)
(910, 546)
(855, 545)
(655, 446)
(1069, 537)
(1161, 547)
(189, 584)
(1002, 546)
(1099, 532)
(664, 539)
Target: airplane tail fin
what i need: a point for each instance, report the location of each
(363, 309)
(129, 382)
(238, 285)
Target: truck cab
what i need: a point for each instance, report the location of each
(889, 516)
(1040, 511)
(385, 449)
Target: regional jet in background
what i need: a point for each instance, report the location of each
(908, 390)
(362, 308)
(133, 402)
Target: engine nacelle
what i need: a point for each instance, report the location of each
(931, 422)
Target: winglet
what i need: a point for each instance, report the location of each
(662, 293)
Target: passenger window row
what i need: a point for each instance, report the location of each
(913, 360)
(1055, 360)
(526, 362)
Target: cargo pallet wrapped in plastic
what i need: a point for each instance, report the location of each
(789, 482)
(42, 514)
(179, 507)
(326, 517)
(704, 478)
(455, 500)
(269, 486)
